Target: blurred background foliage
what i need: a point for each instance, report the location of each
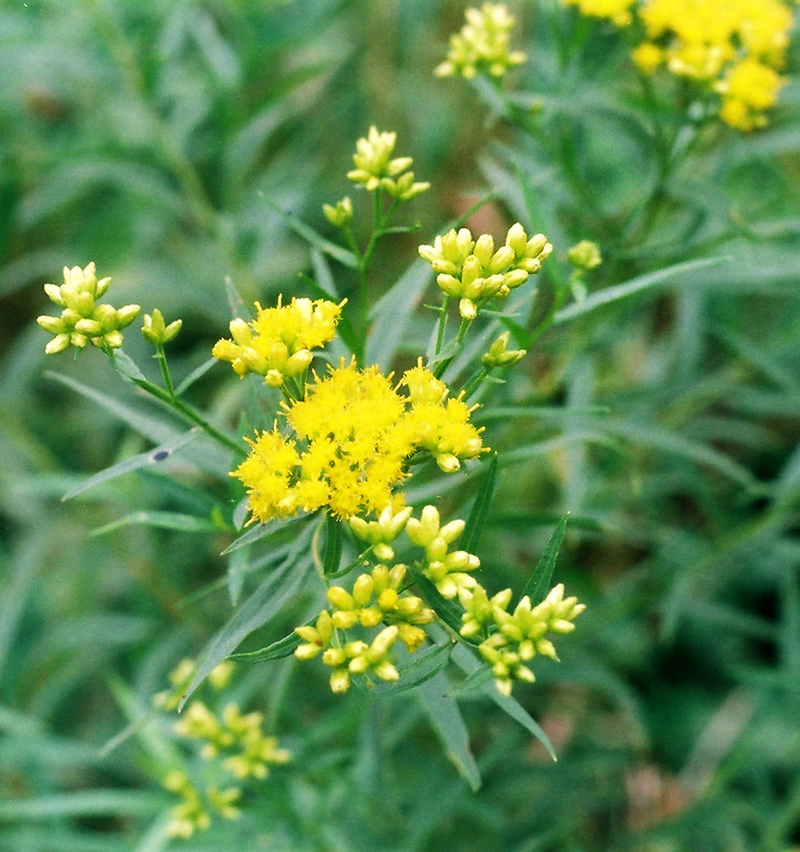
(166, 141)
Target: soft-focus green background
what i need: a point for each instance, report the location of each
(157, 139)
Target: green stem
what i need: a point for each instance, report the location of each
(440, 366)
(558, 301)
(473, 384)
(188, 413)
(442, 324)
(164, 367)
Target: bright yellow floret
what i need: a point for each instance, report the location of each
(350, 439)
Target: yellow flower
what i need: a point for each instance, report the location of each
(617, 11)
(735, 48)
(278, 343)
(351, 437)
(648, 57)
(376, 168)
(747, 90)
(483, 44)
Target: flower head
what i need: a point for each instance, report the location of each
(376, 168)
(483, 44)
(278, 343)
(349, 440)
(474, 271)
(735, 49)
(82, 320)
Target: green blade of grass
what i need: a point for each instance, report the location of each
(539, 582)
(635, 285)
(448, 723)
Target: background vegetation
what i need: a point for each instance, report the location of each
(162, 140)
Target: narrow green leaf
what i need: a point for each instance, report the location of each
(475, 680)
(466, 660)
(156, 430)
(275, 651)
(160, 520)
(445, 717)
(267, 601)
(332, 554)
(392, 312)
(84, 803)
(480, 508)
(635, 285)
(235, 301)
(315, 239)
(196, 374)
(150, 458)
(127, 367)
(256, 533)
(238, 563)
(538, 584)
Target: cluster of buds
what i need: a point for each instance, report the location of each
(377, 599)
(515, 638)
(376, 168)
(499, 355)
(473, 271)
(447, 570)
(383, 531)
(340, 214)
(156, 331)
(278, 343)
(352, 658)
(82, 320)
(483, 44)
(232, 743)
(195, 810)
(237, 735)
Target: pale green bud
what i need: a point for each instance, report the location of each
(449, 284)
(155, 331)
(468, 310)
(341, 215)
(423, 531)
(362, 590)
(54, 294)
(501, 260)
(298, 362)
(484, 250)
(585, 255)
(499, 355)
(58, 344)
(55, 325)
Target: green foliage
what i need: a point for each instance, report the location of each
(188, 148)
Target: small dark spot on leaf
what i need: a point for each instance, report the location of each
(160, 455)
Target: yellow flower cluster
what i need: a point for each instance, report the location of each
(278, 343)
(239, 736)
(353, 433)
(473, 271)
(82, 320)
(737, 48)
(618, 11)
(483, 44)
(233, 741)
(196, 806)
(376, 168)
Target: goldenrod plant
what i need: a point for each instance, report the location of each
(405, 458)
